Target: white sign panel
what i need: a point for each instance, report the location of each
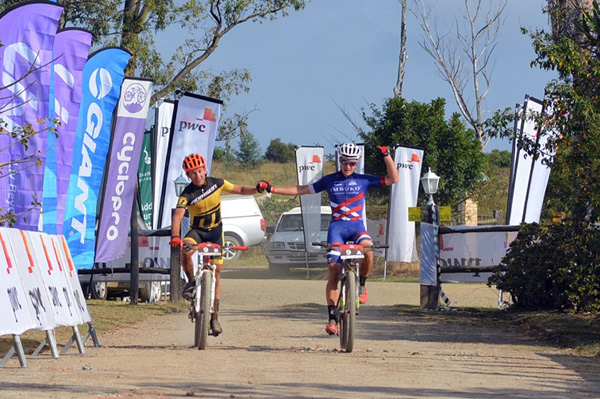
(32, 279)
(59, 289)
(15, 309)
(309, 163)
(468, 246)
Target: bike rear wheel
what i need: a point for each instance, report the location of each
(348, 314)
(203, 317)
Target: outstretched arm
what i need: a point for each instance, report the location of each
(264, 185)
(291, 190)
(244, 190)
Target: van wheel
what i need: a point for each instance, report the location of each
(278, 270)
(228, 253)
(99, 290)
(150, 291)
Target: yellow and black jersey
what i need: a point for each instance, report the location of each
(204, 203)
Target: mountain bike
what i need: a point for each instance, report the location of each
(348, 301)
(202, 303)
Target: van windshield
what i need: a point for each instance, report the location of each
(294, 223)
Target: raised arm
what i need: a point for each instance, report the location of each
(392, 172)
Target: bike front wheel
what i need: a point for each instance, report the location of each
(348, 314)
(203, 318)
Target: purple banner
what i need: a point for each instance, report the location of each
(71, 48)
(127, 140)
(27, 34)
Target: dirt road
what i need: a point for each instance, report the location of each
(274, 346)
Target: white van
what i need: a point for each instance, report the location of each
(243, 223)
(285, 247)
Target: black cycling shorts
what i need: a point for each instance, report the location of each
(214, 235)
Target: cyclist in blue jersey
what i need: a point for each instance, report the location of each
(346, 190)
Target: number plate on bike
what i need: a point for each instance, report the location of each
(352, 252)
(208, 249)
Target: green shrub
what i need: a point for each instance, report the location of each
(553, 267)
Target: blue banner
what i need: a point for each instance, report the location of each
(71, 49)
(102, 77)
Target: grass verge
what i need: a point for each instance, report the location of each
(577, 333)
(106, 315)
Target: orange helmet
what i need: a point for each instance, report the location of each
(193, 162)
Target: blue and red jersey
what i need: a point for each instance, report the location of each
(346, 195)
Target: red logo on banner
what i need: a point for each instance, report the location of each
(316, 159)
(415, 158)
(209, 115)
(6, 254)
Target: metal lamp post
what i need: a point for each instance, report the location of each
(175, 276)
(430, 293)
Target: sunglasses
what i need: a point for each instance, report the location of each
(349, 163)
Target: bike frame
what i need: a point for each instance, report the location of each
(206, 266)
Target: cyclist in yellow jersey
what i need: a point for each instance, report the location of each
(202, 198)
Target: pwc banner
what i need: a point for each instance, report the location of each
(401, 232)
(119, 189)
(27, 35)
(102, 77)
(309, 163)
(162, 135)
(529, 176)
(71, 49)
(193, 131)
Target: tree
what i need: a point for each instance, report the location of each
(463, 56)
(403, 56)
(280, 152)
(450, 149)
(249, 153)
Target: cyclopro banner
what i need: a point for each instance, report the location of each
(193, 131)
(401, 232)
(119, 189)
(27, 35)
(102, 77)
(71, 48)
(309, 165)
(162, 134)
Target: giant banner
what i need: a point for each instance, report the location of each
(193, 131)
(27, 35)
(121, 179)
(71, 48)
(102, 78)
(162, 135)
(401, 232)
(309, 163)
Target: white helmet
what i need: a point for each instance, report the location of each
(350, 151)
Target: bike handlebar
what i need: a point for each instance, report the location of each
(366, 247)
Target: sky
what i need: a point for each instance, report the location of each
(343, 54)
